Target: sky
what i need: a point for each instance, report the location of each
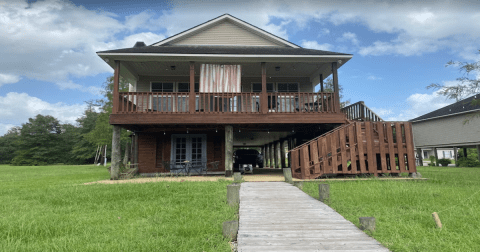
(49, 64)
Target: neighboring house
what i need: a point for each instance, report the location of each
(219, 85)
(444, 130)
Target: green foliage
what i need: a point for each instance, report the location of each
(403, 209)
(432, 161)
(48, 208)
(328, 87)
(468, 162)
(444, 161)
(8, 145)
(83, 151)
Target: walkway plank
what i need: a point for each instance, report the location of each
(276, 216)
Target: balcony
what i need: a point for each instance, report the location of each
(208, 108)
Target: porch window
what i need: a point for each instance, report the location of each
(162, 87)
(288, 87)
(191, 147)
(162, 102)
(184, 87)
(257, 87)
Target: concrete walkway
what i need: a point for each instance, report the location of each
(276, 216)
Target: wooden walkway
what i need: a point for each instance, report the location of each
(276, 216)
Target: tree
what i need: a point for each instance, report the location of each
(328, 87)
(467, 85)
(39, 142)
(8, 145)
(83, 150)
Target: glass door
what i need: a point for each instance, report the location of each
(191, 148)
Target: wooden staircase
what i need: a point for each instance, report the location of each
(367, 147)
(360, 112)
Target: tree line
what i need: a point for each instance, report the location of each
(43, 140)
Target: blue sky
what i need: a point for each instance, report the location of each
(49, 65)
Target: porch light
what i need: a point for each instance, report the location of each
(164, 132)
(216, 130)
(277, 68)
(239, 130)
(293, 130)
(172, 68)
(268, 131)
(187, 130)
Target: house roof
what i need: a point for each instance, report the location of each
(221, 50)
(459, 107)
(225, 17)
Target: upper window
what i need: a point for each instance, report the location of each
(287, 87)
(257, 87)
(162, 86)
(185, 87)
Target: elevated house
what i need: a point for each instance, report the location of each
(444, 130)
(223, 84)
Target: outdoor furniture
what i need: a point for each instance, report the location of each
(212, 166)
(197, 167)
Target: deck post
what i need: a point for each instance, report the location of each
(264, 148)
(191, 100)
(135, 149)
(290, 146)
(116, 83)
(263, 97)
(273, 162)
(335, 86)
(278, 153)
(321, 83)
(455, 153)
(465, 153)
(267, 155)
(436, 156)
(420, 158)
(282, 154)
(116, 153)
(228, 150)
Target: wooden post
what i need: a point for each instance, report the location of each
(272, 156)
(478, 152)
(289, 142)
(420, 158)
(192, 98)
(135, 153)
(436, 156)
(278, 156)
(264, 148)
(282, 154)
(465, 153)
(335, 86)
(263, 97)
(233, 194)
(367, 223)
(228, 151)
(321, 83)
(455, 154)
(116, 81)
(323, 192)
(127, 153)
(267, 155)
(438, 223)
(116, 153)
(287, 174)
(237, 177)
(230, 230)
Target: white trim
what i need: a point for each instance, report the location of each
(459, 113)
(226, 55)
(220, 19)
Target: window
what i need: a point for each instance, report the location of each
(257, 87)
(185, 87)
(287, 87)
(162, 86)
(425, 154)
(191, 147)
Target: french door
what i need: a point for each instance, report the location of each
(189, 147)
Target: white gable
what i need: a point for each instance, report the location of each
(227, 31)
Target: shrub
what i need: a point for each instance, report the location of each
(432, 161)
(468, 162)
(444, 161)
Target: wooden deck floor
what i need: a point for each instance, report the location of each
(276, 216)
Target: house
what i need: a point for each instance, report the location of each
(222, 84)
(444, 130)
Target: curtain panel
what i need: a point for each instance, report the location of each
(216, 78)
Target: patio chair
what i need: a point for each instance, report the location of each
(212, 166)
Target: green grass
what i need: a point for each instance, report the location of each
(49, 209)
(403, 209)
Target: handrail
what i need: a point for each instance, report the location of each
(360, 112)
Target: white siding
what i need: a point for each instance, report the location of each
(226, 33)
(446, 131)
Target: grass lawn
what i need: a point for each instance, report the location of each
(49, 209)
(403, 209)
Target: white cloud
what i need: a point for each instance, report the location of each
(373, 77)
(349, 36)
(382, 112)
(8, 79)
(18, 107)
(315, 45)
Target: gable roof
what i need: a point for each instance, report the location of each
(226, 17)
(460, 107)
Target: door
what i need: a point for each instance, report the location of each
(189, 147)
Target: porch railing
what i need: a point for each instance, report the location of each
(158, 102)
(360, 112)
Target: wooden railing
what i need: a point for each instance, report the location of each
(360, 112)
(357, 148)
(156, 102)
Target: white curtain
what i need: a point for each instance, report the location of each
(220, 78)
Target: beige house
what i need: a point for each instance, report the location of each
(448, 128)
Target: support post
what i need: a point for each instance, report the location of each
(420, 158)
(191, 97)
(323, 192)
(264, 148)
(478, 152)
(116, 83)
(272, 156)
(282, 154)
(287, 173)
(321, 83)
(290, 146)
(116, 153)
(135, 151)
(335, 86)
(228, 150)
(455, 155)
(436, 156)
(267, 155)
(465, 153)
(278, 155)
(367, 223)
(127, 153)
(263, 97)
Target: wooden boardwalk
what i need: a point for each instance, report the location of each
(276, 216)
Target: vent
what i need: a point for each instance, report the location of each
(139, 44)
